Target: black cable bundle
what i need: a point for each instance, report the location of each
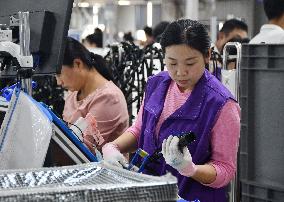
(49, 92)
(130, 67)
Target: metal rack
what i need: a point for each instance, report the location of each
(232, 82)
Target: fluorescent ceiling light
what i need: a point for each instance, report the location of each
(83, 4)
(149, 13)
(95, 20)
(123, 3)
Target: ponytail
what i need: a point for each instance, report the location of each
(98, 62)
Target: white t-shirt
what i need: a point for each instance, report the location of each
(270, 34)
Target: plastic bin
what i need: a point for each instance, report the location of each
(262, 129)
(254, 192)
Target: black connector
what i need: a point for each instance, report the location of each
(185, 139)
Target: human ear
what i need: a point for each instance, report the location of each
(77, 63)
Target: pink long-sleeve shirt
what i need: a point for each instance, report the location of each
(108, 106)
(224, 139)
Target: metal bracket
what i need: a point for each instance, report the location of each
(14, 21)
(14, 50)
(5, 35)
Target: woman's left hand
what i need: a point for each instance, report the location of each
(181, 161)
(89, 141)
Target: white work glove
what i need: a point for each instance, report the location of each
(112, 155)
(87, 131)
(182, 162)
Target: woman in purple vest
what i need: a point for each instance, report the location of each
(186, 98)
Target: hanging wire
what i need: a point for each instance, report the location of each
(130, 67)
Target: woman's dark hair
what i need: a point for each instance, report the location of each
(75, 50)
(189, 32)
(159, 29)
(148, 31)
(95, 39)
(128, 37)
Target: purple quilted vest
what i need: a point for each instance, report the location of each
(197, 114)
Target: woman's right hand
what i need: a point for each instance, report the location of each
(112, 155)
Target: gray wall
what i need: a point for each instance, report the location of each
(126, 19)
(259, 16)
